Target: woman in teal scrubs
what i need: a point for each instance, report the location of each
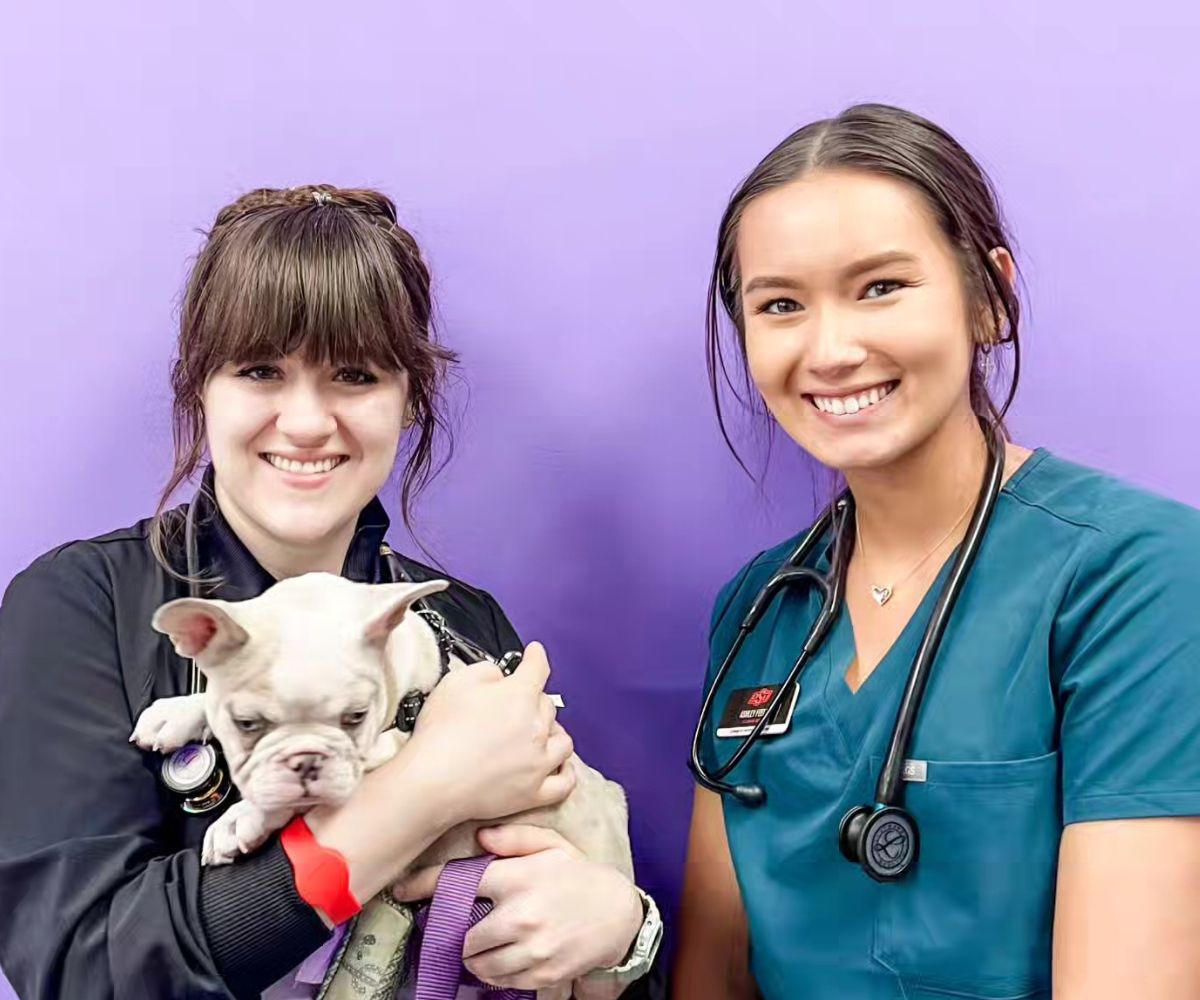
(1055, 773)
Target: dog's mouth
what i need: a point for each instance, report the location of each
(278, 784)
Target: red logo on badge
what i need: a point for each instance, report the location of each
(760, 697)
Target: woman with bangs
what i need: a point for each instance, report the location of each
(306, 365)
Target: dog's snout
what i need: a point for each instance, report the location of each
(306, 765)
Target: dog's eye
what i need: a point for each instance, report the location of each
(352, 719)
(249, 726)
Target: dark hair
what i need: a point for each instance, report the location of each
(317, 269)
(880, 139)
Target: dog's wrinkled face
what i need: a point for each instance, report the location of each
(298, 684)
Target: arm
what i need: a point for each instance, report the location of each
(102, 904)
(712, 959)
(1127, 911)
(573, 917)
(1127, 918)
(557, 916)
(485, 746)
(597, 985)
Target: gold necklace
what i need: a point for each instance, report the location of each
(882, 593)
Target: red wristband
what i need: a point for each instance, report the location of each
(322, 877)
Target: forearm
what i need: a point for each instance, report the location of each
(92, 920)
(718, 972)
(712, 961)
(601, 986)
(397, 812)
(256, 925)
(591, 989)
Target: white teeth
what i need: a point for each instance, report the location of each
(852, 404)
(304, 468)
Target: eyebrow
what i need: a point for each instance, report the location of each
(854, 270)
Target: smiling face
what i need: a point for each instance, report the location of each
(305, 352)
(856, 318)
(299, 448)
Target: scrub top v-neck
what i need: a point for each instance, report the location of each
(1066, 689)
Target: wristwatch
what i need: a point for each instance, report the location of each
(645, 947)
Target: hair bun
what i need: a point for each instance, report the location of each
(370, 203)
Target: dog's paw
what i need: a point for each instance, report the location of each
(220, 844)
(241, 829)
(169, 723)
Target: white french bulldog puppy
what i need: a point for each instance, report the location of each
(303, 686)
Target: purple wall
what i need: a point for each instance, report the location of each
(565, 169)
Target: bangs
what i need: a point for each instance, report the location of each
(326, 285)
(324, 273)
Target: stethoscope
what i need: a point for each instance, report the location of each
(881, 837)
(197, 771)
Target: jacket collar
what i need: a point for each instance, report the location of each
(224, 555)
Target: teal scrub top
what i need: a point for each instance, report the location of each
(1067, 689)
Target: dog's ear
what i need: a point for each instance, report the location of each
(390, 603)
(200, 627)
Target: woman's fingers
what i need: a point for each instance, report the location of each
(534, 670)
(557, 787)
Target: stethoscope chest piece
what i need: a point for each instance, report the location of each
(883, 840)
(195, 772)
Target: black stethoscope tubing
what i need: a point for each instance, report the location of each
(882, 837)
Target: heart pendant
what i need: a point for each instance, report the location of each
(881, 594)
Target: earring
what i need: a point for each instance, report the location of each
(988, 366)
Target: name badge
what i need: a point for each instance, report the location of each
(915, 770)
(747, 705)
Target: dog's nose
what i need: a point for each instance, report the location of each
(306, 765)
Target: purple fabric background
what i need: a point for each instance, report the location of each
(564, 166)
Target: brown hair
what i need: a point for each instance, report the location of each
(881, 139)
(322, 270)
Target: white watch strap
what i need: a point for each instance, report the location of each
(645, 946)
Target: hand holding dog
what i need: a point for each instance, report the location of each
(557, 916)
(492, 743)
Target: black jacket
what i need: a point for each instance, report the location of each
(101, 889)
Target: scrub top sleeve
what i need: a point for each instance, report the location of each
(730, 605)
(723, 605)
(96, 905)
(728, 608)
(1129, 690)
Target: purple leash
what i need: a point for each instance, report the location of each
(453, 911)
